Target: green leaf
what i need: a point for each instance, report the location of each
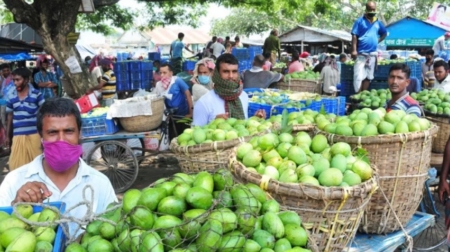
(362, 154)
(322, 110)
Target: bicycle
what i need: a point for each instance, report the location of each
(434, 236)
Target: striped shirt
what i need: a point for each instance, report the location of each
(49, 76)
(109, 88)
(24, 111)
(407, 104)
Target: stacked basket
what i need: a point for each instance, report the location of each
(403, 161)
(442, 136)
(311, 86)
(331, 214)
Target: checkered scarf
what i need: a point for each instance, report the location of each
(230, 92)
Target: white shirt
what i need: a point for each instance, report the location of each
(72, 194)
(210, 105)
(96, 73)
(217, 49)
(444, 85)
(439, 45)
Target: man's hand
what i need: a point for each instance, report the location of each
(34, 191)
(261, 113)
(224, 116)
(188, 115)
(354, 54)
(443, 189)
(89, 91)
(7, 142)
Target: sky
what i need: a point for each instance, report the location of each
(214, 11)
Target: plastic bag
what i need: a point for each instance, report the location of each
(140, 93)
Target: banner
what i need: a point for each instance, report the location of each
(440, 15)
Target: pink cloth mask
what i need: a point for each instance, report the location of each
(61, 155)
(165, 81)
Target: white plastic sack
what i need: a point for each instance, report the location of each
(141, 92)
(135, 106)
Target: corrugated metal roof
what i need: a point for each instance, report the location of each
(165, 35)
(337, 34)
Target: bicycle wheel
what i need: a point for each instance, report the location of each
(117, 162)
(434, 237)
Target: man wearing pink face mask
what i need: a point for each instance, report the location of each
(59, 174)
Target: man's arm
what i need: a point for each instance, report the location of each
(188, 95)
(171, 50)
(279, 49)
(382, 32)
(9, 122)
(97, 87)
(354, 46)
(382, 37)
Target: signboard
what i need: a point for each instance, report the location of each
(87, 6)
(409, 42)
(439, 15)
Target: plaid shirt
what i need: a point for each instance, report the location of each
(46, 92)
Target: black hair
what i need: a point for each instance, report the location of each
(258, 60)
(267, 55)
(295, 55)
(226, 58)
(22, 72)
(440, 63)
(403, 67)
(442, 6)
(237, 38)
(342, 56)
(214, 38)
(58, 107)
(429, 52)
(332, 56)
(167, 65)
(180, 35)
(227, 38)
(393, 56)
(87, 58)
(3, 66)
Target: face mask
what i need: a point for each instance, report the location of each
(61, 155)
(203, 79)
(371, 14)
(154, 69)
(21, 87)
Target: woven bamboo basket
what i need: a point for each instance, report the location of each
(403, 161)
(311, 86)
(145, 123)
(308, 128)
(205, 157)
(439, 142)
(331, 214)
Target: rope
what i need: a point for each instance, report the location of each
(65, 219)
(264, 184)
(333, 228)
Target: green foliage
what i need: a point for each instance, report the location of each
(105, 19)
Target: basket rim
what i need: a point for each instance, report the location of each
(392, 138)
(337, 193)
(216, 145)
(433, 115)
(157, 99)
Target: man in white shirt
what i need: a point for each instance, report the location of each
(439, 44)
(217, 49)
(227, 99)
(59, 174)
(442, 82)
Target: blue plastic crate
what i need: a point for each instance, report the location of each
(135, 75)
(135, 84)
(98, 126)
(189, 65)
(277, 110)
(60, 238)
(146, 66)
(346, 72)
(146, 85)
(123, 85)
(241, 53)
(147, 75)
(122, 77)
(253, 107)
(243, 65)
(347, 88)
(134, 65)
(378, 84)
(342, 105)
(382, 71)
(154, 56)
(253, 51)
(120, 67)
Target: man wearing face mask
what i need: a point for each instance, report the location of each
(22, 104)
(427, 69)
(367, 32)
(227, 99)
(59, 174)
(202, 78)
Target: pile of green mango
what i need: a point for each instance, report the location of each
(189, 213)
(305, 117)
(16, 235)
(373, 98)
(436, 101)
(384, 62)
(303, 75)
(279, 65)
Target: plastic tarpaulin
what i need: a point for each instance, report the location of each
(85, 51)
(16, 57)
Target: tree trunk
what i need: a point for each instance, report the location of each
(53, 21)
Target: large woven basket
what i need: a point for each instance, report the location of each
(443, 134)
(308, 128)
(205, 157)
(145, 123)
(331, 214)
(403, 161)
(311, 86)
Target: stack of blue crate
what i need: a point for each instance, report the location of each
(133, 75)
(122, 77)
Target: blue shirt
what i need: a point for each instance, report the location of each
(24, 111)
(177, 48)
(178, 97)
(71, 195)
(39, 77)
(367, 34)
